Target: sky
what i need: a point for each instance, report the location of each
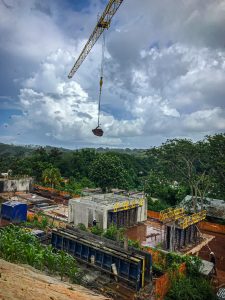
(164, 72)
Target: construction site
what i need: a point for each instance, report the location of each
(59, 240)
(124, 271)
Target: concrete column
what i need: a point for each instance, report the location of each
(105, 219)
(94, 214)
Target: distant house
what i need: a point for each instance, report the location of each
(15, 185)
(215, 208)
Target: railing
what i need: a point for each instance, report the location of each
(171, 214)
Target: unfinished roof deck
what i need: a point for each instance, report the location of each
(106, 200)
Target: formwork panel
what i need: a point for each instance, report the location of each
(129, 268)
(107, 261)
(181, 238)
(78, 249)
(124, 218)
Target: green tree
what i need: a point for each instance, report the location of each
(157, 186)
(51, 176)
(54, 156)
(216, 158)
(107, 172)
(186, 162)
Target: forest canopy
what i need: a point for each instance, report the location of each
(169, 172)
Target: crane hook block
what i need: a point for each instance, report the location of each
(98, 131)
(101, 82)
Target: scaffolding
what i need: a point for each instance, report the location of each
(192, 219)
(171, 214)
(179, 228)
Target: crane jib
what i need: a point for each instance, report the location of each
(103, 23)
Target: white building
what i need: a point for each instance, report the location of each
(215, 208)
(16, 185)
(107, 209)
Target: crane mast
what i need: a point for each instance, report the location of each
(103, 23)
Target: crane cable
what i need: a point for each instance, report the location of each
(101, 77)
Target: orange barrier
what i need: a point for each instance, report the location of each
(31, 215)
(157, 256)
(163, 283)
(213, 227)
(51, 190)
(153, 214)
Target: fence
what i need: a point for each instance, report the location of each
(213, 227)
(153, 214)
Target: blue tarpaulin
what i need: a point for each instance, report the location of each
(14, 211)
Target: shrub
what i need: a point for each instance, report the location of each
(96, 230)
(111, 232)
(156, 205)
(134, 244)
(81, 226)
(188, 288)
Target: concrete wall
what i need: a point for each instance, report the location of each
(79, 212)
(15, 185)
(142, 212)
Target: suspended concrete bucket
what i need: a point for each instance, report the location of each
(97, 131)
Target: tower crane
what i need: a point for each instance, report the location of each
(102, 24)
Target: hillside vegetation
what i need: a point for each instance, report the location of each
(168, 172)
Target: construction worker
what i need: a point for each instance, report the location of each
(213, 260)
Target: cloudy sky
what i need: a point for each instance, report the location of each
(164, 72)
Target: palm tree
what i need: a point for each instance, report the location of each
(51, 176)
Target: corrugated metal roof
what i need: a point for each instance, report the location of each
(214, 207)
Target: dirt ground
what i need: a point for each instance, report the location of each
(217, 245)
(25, 283)
(3, 222)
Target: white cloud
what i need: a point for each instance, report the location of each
(164, 73)
(27, 32)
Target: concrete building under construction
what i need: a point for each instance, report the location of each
(180, 229)
(107, 209)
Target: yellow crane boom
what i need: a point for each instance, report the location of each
(103, 23)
